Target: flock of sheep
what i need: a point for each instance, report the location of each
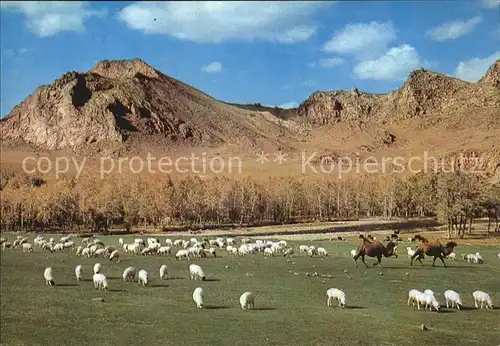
(94, 247)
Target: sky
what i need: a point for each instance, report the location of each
(273, 53)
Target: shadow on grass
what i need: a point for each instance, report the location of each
(467, 308)
(116, 290)
(66, 285)
(158, 286)
(211, 280)
(213, 307)
(86, 280)
(354, 307)
(175, 278)
(264, 309)
(445, 311)
(114, 277)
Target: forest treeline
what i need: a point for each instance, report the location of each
(33, 203)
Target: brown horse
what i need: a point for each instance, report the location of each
(436, 250)
(374, 249)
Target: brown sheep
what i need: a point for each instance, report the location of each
(374, 249)
(436, 250)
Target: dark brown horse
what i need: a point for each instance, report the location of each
(436, 249)
(374, 248)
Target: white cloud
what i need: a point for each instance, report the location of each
(289, 105)
(363, 40)
(218, 21)
(474, 69)
(213, 67)
(47, 18)
(453, 30)
(396, 64)
(490, 3)
(331, 62)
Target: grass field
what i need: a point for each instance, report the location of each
(290, 309)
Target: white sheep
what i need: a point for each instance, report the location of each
(142, 277)
(100, 281)
(120, 241)
(268, 252)
(198, 297)
(454, 298)
(114, 255)
(195, 272)
(498, 256)
(312, 251)
(483, 298)
(78, 272)
(429, 292)
(97, 268)
(27, 247)
(182, 253)
(322, 251)
(49, 279)
(354, 252)
(452, 256)
(129, 274)
(335, 293)
(247, 301)
(413, 297)
(479, 259)
(163, 272)
(303, 248)
(428, 301)
(164, 250)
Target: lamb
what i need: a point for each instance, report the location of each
(198, 297)
(268, 252)
(353, 252)
(479, 259)
(322, 251)
(247, 301)
(142, 277)
(163, 272)
(47, 274)
(452, 297)
(114, 255)
(483, 298)
(288, 252)
(335, 293)
(78, 272)
(195, 271)
(97, 268)
(413, 297)
(312, 251)
(452, 256)
(100, 282)
(303, 248)
(120, 241)
(27, 247)
(129, 274)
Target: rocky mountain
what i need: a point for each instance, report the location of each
(128, 101)
(119, 105)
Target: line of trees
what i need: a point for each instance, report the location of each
(36, 203)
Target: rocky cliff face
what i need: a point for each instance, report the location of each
(424, 93)
(118, 100)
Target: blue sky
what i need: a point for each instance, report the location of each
(274, 53)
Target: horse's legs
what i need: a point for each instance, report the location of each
(379, 261)
(442, 260)
(363, 259)
(434, 261)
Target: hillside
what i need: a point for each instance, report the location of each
(118, 104)
(124, 106)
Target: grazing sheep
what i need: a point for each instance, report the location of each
(453, 298)
(78, 272)
(27, 247)
(129, 274)
(452, 256)
(288, 252)
(167, 250)
(182, 253)
(479, 259)
(483, 298)
(47, 274)
(114, 255)
(120, 241)
(198, 297)
(303, 248)
(247, 301)
(335, 293)
(100, 282)
(413, 297)
(163, 272)
(268, 252)
(195, 271)
(6, 245)
(142, 277)
(428, 301)
(322, 251)
(97, 268)
(429, 292)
